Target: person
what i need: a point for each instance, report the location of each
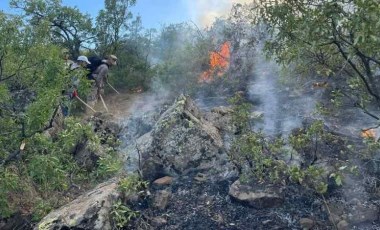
(82, 61)
(100, 76)
(72, 90)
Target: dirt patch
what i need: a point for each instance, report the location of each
(119, 105)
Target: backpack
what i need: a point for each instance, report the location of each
(95, 63)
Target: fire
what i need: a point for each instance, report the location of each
(369, 133)
(219, 63)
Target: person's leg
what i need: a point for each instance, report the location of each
(92, 98)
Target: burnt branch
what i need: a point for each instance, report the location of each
(139, 154)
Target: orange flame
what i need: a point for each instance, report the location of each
(369, 133)
(219, 63)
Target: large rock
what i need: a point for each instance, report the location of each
(181, 141)
(221, 118)
(89, 211)
(256, 197)
(86, 157)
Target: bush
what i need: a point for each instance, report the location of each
(9, 183)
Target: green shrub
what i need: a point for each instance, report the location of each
(9, 183)
(122, 214)
(48, 172)
(131, 184)
(41, 209)
(257, 158)
(108, 165)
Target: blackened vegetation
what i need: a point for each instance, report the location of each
(206, 205)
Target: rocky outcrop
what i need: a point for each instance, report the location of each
(221, 118)
(86, 157)
(89, 211)
(181, 141)
(106, 128)
(84, 154)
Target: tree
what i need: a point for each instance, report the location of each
(178, 52)
(32, 77)
(68, 26)
(339, 39)
(112, 24)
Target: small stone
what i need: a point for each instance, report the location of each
(342, 225)
(200, 177)
(163, 180)
(256, 197)
(161, 199)
(307, 223)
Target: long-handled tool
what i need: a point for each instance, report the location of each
(88, 106)
(113, 88)
(104, 104)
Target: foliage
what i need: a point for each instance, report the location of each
(48, 172)
(178, 52)
(134, 69)
(109, 164)
(33, 81)
(131, 184)
(241, 115)
(9, 183)
(308, 137)
(119, 33)
(122, 214)
(259, 158)
(68, 26)
(42, 208)
(75, 132)
(310, 177)
(338, 39)
(50, 162)
(112, 24)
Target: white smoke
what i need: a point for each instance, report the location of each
(204, 12)
(283, 107)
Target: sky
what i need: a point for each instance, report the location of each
(155, 13)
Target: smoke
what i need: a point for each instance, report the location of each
(283, 107)
(205, 12)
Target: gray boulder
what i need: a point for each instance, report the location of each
(256, 197)
(180, 142)
(89, 211)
